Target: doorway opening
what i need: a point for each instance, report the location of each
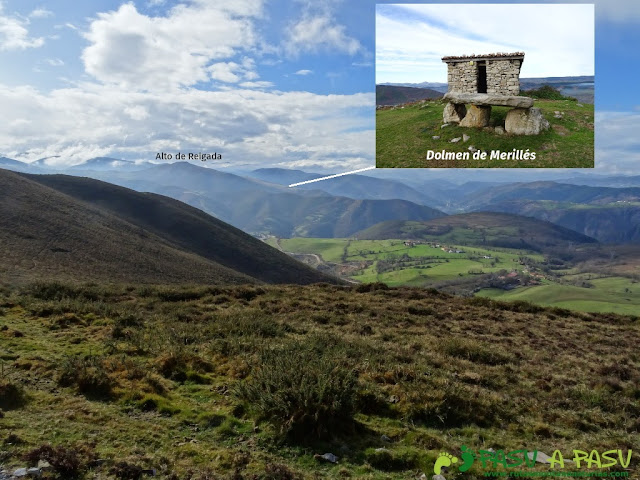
(482, 77)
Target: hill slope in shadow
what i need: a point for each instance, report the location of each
(58, 226)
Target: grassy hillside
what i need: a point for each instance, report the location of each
(405, 134)
(612, 294)
(191, 381)
(615, 222)
(480, 228)
(57, 226)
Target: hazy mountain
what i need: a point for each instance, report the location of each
(17, 166)
(107, 163)
(352, 186)
(71, 227)
(190, 177)
(548, 191)
(261, 207)
(437, 86)
(394, 95)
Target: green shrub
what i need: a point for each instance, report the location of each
(547, 92)
(174, 295)
(276, 471)
(66, 462)
(449, 403)
(58, 291)
(475, 351)
(11, 395)
(387, 460)
(305, 389)
(87, 374)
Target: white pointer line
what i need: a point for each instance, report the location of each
(331, 176)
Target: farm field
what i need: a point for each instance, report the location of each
(395, 263)
(614, 294)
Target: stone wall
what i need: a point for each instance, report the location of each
(503, 76)
(462, 77)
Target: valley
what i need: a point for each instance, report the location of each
(574, 272)
(142, 334)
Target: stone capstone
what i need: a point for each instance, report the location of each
(477, 116)
(525, 121)
(488, 99)
(454, 113)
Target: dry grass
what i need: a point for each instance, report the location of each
(433, 372)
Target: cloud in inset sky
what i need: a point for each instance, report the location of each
(412, 39)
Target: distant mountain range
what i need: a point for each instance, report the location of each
(260, 201)
(59, 226)
(396, 95)
(580, 87)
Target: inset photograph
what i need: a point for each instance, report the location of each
(484, 86)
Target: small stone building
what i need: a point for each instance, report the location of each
(481, 81)
(495, 73)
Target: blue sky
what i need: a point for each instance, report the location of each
(286, 83)
(412, 39)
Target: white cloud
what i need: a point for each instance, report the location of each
(232, 72)
(259, 84)
(14, 34)
(303, 72)
(54, 62)
(224, 72)
(617, 144)
(621, 11)
(137, 112)
(618, 11)
(40, 13)
(137, 51)
(316, 33)
(409, 47)
(255, 126)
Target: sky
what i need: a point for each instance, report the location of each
(279, 83)
(412, 39)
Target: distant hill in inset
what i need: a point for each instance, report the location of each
(480, 228)
(58, 226)
(394, 95)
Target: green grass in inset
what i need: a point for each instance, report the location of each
(404, 135)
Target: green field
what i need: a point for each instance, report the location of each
(405, 134)
(615, 294)
(423, 265)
